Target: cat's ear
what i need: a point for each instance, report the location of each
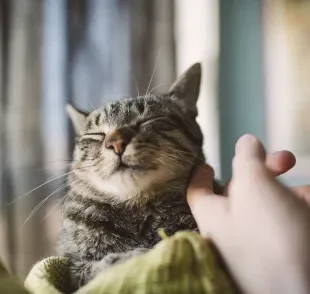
(77, 117)
(186, 89)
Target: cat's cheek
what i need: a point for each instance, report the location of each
(108, 167)
(108, 155)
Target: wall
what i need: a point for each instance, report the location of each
(240, 76)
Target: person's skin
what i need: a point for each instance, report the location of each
(262, 229)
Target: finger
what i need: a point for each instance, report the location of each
(201, 181)
(249, 147)
(249, 156)
(211, 214)
(277, 163)
(209, 210)
(280, 162)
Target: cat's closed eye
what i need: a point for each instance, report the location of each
(94, 136)
(152, 120)
(163, 123)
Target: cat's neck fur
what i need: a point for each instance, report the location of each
(132, 196)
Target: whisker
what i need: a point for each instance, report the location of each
(41, 203)
(157, 87)
(58, 202)
(62, 198)
(156, 61)
(77, 194)
(136, 84)
(17, 199)
(66, 165)
(182, 158)
(68, 160)
(64, 205)
(189, 153)
(91, 104)
(47, 182)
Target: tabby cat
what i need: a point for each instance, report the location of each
(132, 162)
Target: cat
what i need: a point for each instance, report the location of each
(132, 162)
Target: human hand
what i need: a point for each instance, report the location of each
(303, 192)
(262, 230)
(277, 163)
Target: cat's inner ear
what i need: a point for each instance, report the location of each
(77, 117)
(186, 88)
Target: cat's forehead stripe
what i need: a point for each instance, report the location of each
(140, 106)
(128, 111)
(97, 119)
(122, 112)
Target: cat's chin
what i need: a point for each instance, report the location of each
(126, 165)
(122, 167)
(127, 184)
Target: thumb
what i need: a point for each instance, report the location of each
(211, 215)
(208, 209)
(249, 156)
(202, 181)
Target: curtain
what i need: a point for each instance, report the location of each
(54, 52)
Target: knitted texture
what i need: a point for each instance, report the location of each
(180, 264)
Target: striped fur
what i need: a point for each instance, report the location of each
(113, 213)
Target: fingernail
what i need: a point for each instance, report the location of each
(248, 138)
(245, 139)
(249, 145)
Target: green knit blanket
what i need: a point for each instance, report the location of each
(180, 264)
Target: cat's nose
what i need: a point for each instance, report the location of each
(118, 145)
(118, 140)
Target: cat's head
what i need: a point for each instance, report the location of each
(136, 145)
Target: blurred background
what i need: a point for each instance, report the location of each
(256, 70)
